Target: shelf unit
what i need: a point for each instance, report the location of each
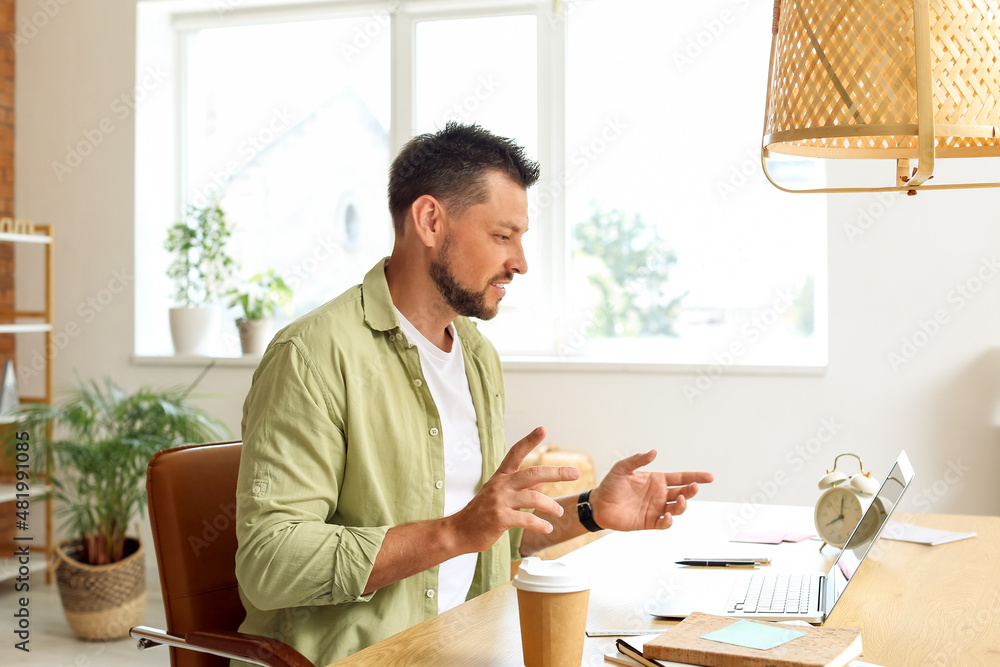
(38, 321)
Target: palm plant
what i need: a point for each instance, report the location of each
(100, 465)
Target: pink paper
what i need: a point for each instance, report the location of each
(798, 537)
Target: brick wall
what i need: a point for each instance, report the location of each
(7, 28)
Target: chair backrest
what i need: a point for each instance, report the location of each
(192, 509)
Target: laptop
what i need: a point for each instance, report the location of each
(790, 596)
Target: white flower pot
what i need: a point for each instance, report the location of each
(254, 335)
(194, 330)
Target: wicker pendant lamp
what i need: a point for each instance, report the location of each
(904, 80)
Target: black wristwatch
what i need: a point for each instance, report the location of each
(586, 512)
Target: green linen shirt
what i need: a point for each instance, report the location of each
(342, 441)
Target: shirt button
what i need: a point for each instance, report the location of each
(418, 382)
(430, 592)
(255, 489)
(392, 337)
(439, 484)
(434, 430)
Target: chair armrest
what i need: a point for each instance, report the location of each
(234, 645)
(271, 652)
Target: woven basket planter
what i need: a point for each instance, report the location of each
(102, 601)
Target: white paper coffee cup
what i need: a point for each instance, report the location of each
(552, 602)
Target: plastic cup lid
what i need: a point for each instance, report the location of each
(549, 576)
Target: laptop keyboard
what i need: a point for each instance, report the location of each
(775, 594)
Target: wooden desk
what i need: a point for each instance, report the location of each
(916, 605)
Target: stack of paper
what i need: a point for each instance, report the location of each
(771, 536)
(905, 532)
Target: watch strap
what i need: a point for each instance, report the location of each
(586, 512)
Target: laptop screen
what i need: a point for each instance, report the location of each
(869, 528)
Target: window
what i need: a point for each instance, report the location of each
(680, 250)
(294, 140)
(654, 235)
(495, 84)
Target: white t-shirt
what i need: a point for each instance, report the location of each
(444, 373)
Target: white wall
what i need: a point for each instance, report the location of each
(745, 428)
(940, 406)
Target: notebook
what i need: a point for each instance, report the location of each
(717, 641)
(815, 594)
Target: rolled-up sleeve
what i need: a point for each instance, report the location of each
(290, 551)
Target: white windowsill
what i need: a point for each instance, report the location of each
(249, 361)
(520, 365)
(576, 365)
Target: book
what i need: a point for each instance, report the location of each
(619, 658)
(9, 400)
(819, 647)
(629, 653)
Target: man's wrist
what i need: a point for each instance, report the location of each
(585, 512)
(449, 537)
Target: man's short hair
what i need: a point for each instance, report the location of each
(451, 165)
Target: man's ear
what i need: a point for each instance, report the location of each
(428, 220)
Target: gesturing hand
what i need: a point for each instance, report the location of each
(497, 507)
(630, 499)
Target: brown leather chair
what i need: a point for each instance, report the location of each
(192, 509)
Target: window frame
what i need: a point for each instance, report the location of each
(554, 232)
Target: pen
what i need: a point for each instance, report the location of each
(718, 563)
(760, 561)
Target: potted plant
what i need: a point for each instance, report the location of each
(258, 298)
(99, 469)
(201, 270)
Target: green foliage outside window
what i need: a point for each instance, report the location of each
(632, 281)
(803, 310)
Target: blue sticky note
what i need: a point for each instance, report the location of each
(753, 635)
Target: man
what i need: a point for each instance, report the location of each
(375, 487)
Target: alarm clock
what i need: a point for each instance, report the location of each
(842, 504)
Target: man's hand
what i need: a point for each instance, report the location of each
(497, 507)
(413, 547)
(630, 499)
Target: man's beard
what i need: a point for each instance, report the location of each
(462, 300)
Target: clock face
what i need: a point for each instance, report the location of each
(838, 511)
(870, 525)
